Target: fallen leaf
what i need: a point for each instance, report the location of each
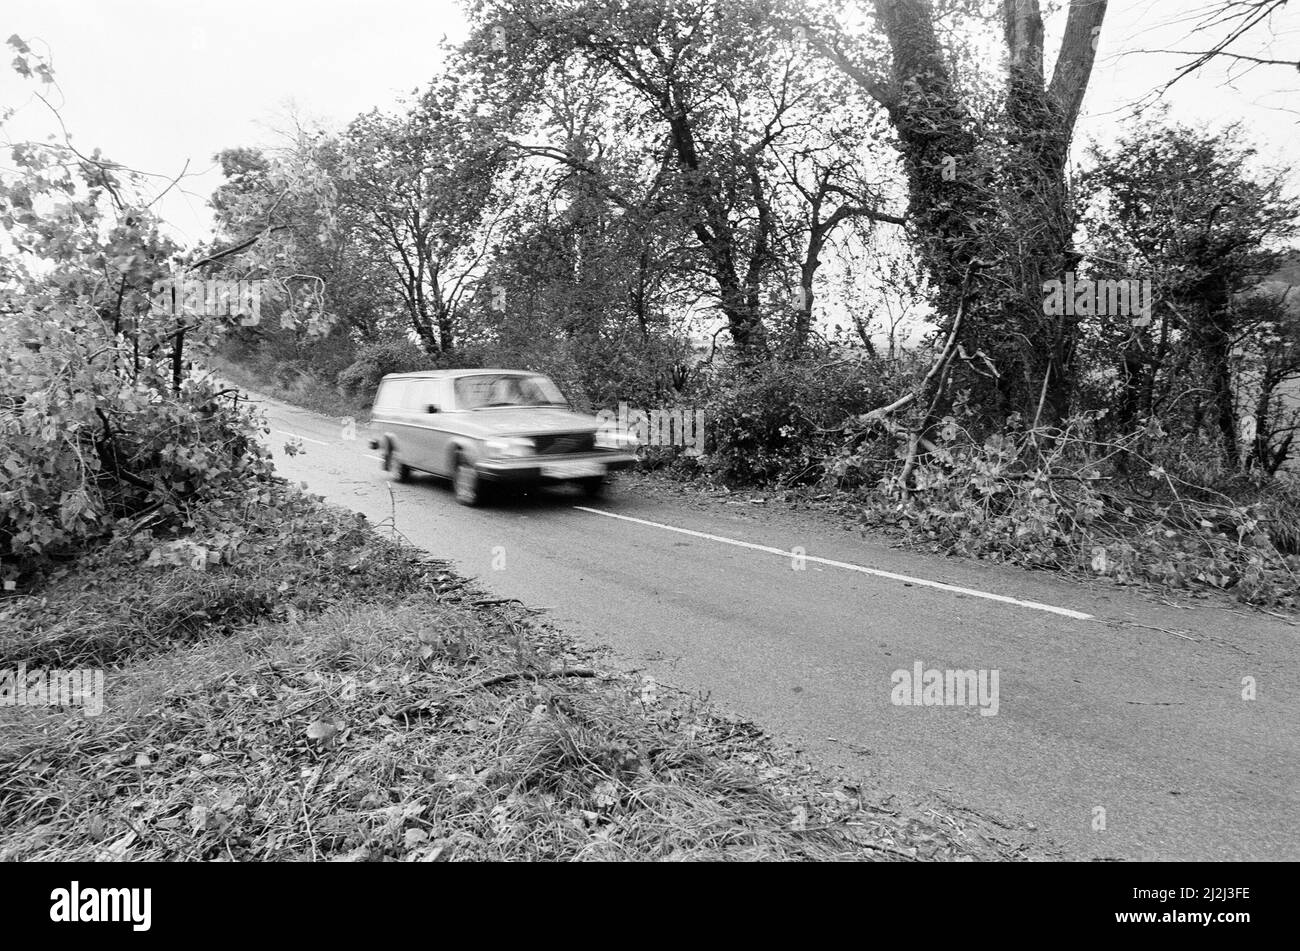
(321, 730)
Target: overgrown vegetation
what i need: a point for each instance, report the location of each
(782, 424)
(83, 456)
(1060, 499)
(270, 553)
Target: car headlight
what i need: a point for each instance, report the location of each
(512, 446)
(615, 439)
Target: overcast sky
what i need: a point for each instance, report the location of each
(157, 83)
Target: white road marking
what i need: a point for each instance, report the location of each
(376, 458)
(939, 585)
(318, 442)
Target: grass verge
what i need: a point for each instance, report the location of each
(318, 692)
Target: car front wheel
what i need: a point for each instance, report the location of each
(467, 484)
(395, 467)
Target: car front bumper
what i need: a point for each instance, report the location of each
(535, 470)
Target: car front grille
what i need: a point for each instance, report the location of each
(559, 443)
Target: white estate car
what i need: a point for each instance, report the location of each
(484, 428)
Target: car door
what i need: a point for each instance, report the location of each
(418, 423)
(388, 402)
(441, 424)
(387, 413)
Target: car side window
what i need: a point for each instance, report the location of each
(506, 389)
(389, 397)
(421, 393)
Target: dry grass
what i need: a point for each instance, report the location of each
(419, 731)
(285, 555)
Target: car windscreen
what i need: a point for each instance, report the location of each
(483, 390)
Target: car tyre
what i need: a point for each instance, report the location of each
(400, 471)
(467, 484)
(596, 487)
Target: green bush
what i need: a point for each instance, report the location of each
(375, 361)
(88, 439)
(779, 423)
(595, 371)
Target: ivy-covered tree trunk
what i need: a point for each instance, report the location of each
(1215, 337)
(995, 210)
(744, 318)
(446, 329)
(1037, 216)
(1219, 358)
(945, 204)
(1215, 333)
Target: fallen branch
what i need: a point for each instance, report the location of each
(938, 368)
(520, 674)
(495, 681)
(937, 377)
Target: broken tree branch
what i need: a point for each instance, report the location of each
(934, 384)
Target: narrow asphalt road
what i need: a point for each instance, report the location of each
(1121, 727)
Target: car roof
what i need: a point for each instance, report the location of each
(441, 374)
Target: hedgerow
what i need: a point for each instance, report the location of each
(1061, 499)
(780, 422)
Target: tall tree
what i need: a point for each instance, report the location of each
(987, 194)
(418, 195)
(282, 208)
(715, 87)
